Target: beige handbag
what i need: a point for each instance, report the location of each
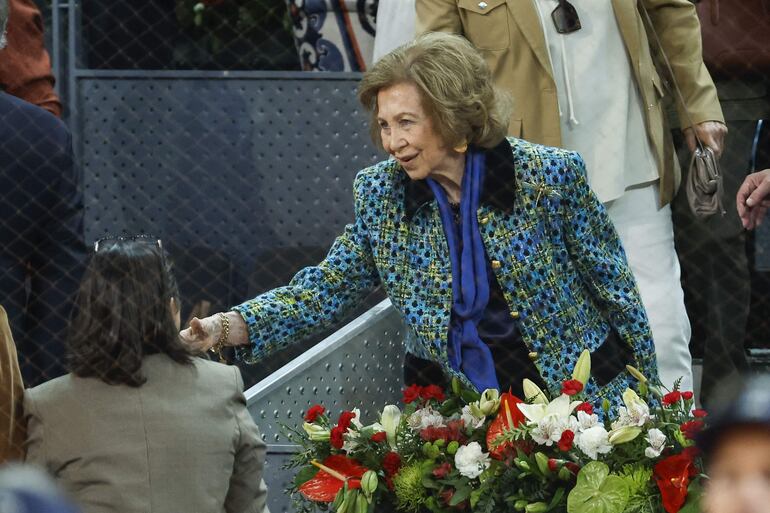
(703, 186)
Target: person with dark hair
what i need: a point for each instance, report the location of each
(141, 424)
(41, 227)
(737, 449)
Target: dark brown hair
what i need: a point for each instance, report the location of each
(123, 312)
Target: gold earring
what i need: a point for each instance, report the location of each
(462, 148)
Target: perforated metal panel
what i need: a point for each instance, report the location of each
(361, 365)
(240, 165)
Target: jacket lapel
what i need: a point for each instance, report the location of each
(524, 12)
(626, 15)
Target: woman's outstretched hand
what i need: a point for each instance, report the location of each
(204, 333)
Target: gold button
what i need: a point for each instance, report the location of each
(484, 220)
(496, 264)
(482, 5)
(533, 356)
(515, 314)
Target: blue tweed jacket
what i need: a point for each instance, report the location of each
(552, 246)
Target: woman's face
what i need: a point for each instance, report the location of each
(407, 132)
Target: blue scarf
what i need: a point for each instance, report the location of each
(470, 284)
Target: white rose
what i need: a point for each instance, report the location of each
(594, 441)
(471, 461)
(657, 441)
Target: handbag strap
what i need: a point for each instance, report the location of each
(679, 94)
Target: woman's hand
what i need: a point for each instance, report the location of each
(203, 334)
(711, 133)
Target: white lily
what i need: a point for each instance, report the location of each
(582, 370)
(315, 432)
(390, 418)
(560, 408)
(487, 404)
(533, 393)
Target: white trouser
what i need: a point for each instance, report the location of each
(647, 233)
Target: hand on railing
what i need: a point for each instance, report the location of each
(204, 334)
(753, 199)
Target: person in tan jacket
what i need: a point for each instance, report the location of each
(140, 424)
(582, 77)
(11, 396)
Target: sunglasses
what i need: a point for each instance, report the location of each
(565, 18)
(133, 238)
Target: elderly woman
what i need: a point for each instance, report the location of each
(495, 252)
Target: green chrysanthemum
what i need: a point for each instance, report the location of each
(410, 493)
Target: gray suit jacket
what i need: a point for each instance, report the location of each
(182, 442)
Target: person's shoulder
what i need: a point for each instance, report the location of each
(538, 163)
(22, 113)
(378, 177)
(56, 391)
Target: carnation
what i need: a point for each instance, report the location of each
(594, 441)
(471, 461)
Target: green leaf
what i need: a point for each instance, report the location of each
(475, 496)
(597, 491)
(556, 499)
(692, 505)
(304, 475)
(460, 495)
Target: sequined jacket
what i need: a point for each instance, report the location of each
(552, 246)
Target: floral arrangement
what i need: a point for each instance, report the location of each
(458, 450)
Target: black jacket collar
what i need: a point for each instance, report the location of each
(499, 182)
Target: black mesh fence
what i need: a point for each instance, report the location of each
(248, 177)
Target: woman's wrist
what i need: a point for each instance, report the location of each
(239, 333)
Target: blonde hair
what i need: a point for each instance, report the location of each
(455, 84)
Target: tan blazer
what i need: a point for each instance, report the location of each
(182, 442)
(510, 36)
(11, 396)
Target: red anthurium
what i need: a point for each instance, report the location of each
(673, 476)
(508, 416)
(334, 472)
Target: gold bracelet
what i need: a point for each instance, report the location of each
(223, 337)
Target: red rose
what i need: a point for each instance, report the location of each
(687, 395)
(586, 407)
(442, 470)
(699, 413)
(571, 387)
(572, 467)
(379, 437)
(447, 494)
(335, 437)
(673, 476)
(391, 463)
(432, 392)
(671, 398)
(412, 393)
(553, 464)
(565, 442)
(313, 413)
(345, 418)
(691, 428)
